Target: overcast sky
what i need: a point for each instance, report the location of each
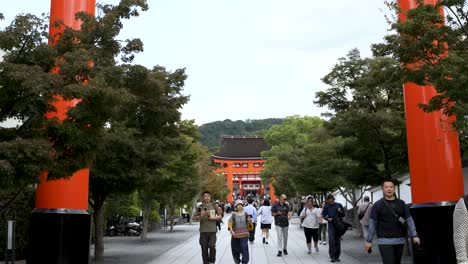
(246, 59)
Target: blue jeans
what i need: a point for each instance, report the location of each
(240, 246)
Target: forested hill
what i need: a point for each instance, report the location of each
(211, 132)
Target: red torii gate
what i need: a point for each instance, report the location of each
(435, 167)
(61, 225)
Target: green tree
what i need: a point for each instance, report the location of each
(114, 171)
(366, 97)
(155, 114)
(293, 160)
(181, 180)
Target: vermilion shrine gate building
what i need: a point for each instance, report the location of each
(240, 161)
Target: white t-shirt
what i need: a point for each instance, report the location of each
(312, 217)
(319, 212)
(265, 212)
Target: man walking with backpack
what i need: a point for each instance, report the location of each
(390, 218)
(334, 213)
(208, 213)
(363, 215)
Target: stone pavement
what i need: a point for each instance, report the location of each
(188, 252)
(182, 247)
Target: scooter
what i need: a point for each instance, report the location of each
(124, 227)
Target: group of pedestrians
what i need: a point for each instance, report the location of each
(388, 218)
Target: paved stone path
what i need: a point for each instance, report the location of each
(188, 252)
(182, 247)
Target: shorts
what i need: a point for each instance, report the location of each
(265, 226)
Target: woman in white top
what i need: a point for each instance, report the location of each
(266, 220)
(311, 218)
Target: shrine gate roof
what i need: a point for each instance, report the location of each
(241, 147)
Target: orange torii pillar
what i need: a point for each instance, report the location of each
(60, 224)
(435, 168)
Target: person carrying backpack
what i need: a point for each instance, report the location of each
(334, 213)
(208, 213)
(240, 224)
(363, 214)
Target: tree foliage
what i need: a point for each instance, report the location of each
(436, 53)
(300, 155)
(367, 99)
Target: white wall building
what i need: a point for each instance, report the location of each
(403, 190)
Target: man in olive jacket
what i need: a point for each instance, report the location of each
(208, 213)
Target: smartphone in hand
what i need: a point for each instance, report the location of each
(369, 250)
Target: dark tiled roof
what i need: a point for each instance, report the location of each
(241, 147)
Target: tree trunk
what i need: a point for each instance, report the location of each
(194, 206)
(349, 194)
(146, 215)
(98, 216)
(171, 212)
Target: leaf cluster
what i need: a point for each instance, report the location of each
(435, 48)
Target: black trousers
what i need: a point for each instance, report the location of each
(391, 254)
(334, 241)
(311, 233)
(208, 247)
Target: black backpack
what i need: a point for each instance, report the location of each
(340, 225)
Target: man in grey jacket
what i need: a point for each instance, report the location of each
(460, 231)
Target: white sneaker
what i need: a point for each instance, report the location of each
(316, 249)
(324, 242)
(309, 251)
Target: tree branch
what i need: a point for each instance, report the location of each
(11, 200)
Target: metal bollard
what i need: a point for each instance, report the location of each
(10, 249)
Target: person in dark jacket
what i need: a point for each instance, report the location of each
(389, 218)
(331, 212)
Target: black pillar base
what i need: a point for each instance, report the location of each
(59, 236)
(435, 229)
